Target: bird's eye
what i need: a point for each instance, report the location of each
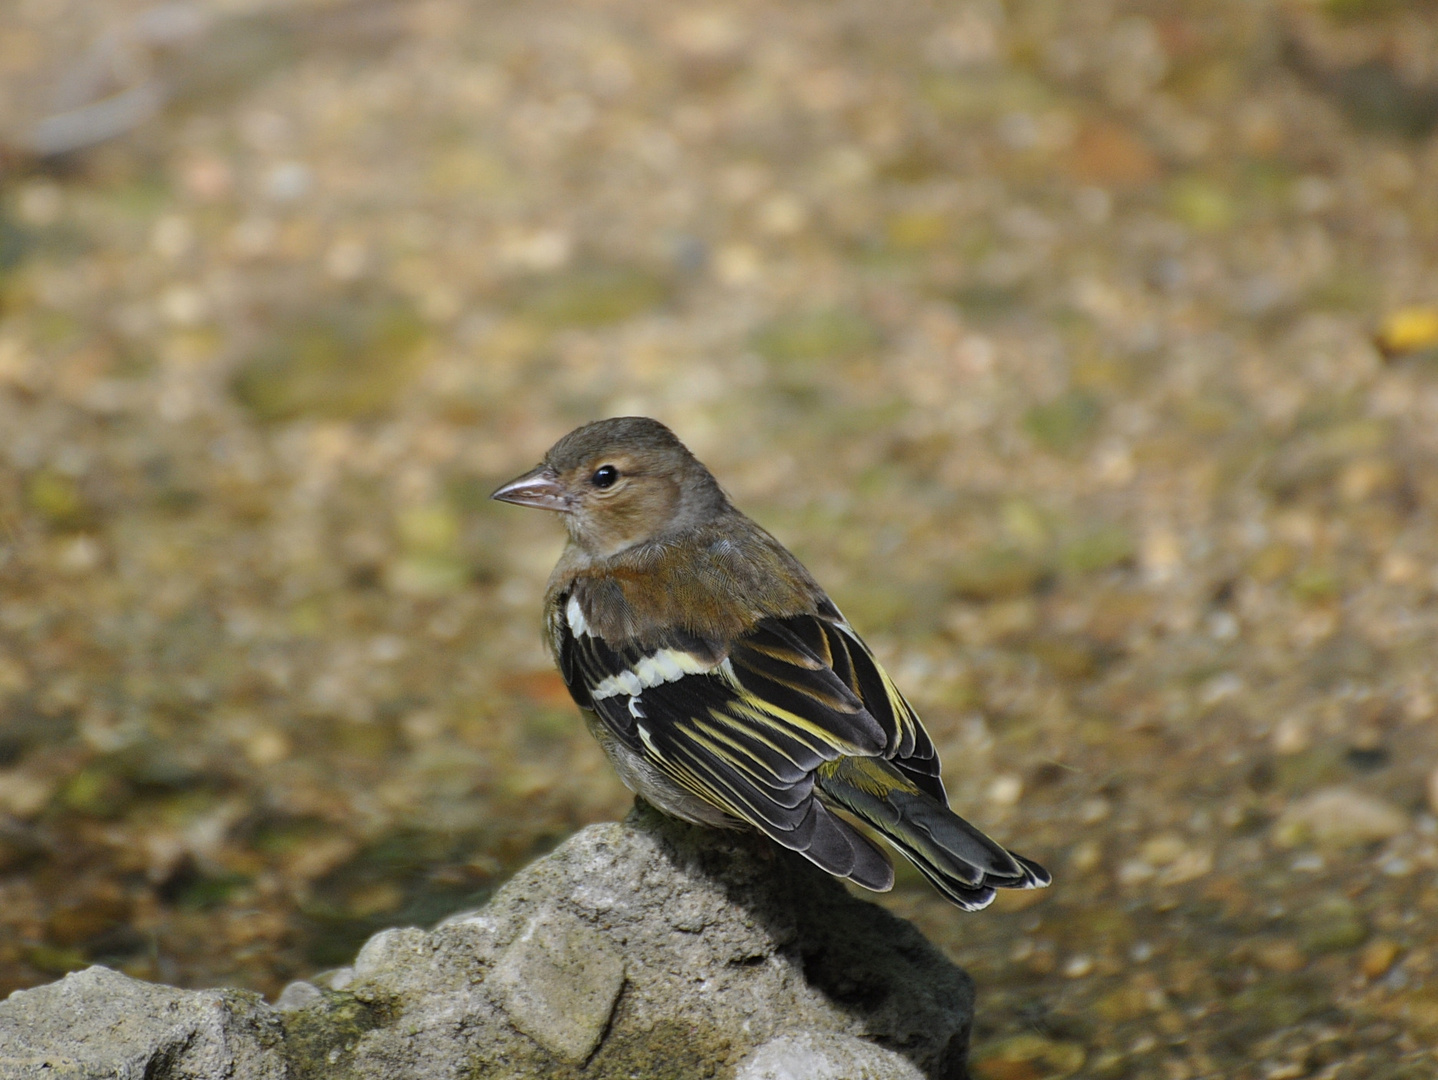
(604, 476)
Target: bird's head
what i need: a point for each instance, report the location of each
(618, 483)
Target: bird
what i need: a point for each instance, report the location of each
(724, 685)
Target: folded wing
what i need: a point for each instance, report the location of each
(744, 728)
(775, 729)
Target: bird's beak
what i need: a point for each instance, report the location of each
(539, 488)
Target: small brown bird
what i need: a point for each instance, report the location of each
(723, 684)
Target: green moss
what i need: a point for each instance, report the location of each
(594, 297)
(15, 243)
(669, 1050)
(351, 360)
(1332, 925)
(1027, 525)
(285, 836)
(1028, 1055)
(983, 94)
(916, 230)
(1201, 204)
(1100, 549)
(1346, 288)
(1279, 1001)
(1376, 97)
(1316, 585)
(987, 301)
(1209, 415)
(1068, 656)
(428, 575)
(804, 340)
(544, 725)
(55, 961)
(57, 498)
(999, 573)
(916, 163)
(96, 791)
(430, 529)
(1319, 765)
(205, 892)
(1361, 9)
(885, 605)
(1063, 424)
(320, 1039)
(432, 562)
(139, 192)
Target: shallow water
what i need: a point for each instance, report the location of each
(1044, 333)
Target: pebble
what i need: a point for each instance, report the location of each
(24, 794)
(1084, 856)
(1377, 957)
(1027, 1055)
(1332, 924)
(1283, 954)
(1339, 817)
(1005, 790)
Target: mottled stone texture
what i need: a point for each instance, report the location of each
(644, 948)
(100, 1025)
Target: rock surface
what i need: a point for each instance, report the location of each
(100, 1025)
(558, 984)
(642, 949)
(808, 1056)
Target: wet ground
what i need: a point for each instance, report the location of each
(1044, 333)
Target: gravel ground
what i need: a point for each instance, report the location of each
(1043, 332)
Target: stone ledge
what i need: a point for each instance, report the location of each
(644, 948)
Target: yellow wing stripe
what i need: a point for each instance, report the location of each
(905, 721)
(755, 708)
(787, 656)
(762, 712)
(742, 762)
(737, 754)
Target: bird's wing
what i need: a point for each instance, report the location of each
(907, 744)
(744, 725)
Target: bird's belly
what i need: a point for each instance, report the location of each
(652, 785)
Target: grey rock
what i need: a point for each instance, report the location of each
(650, 948)
(298, 995)
(98, 1024)
(558, 984)
(807, 1056)
(727, 943)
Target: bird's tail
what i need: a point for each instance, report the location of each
(961, 862)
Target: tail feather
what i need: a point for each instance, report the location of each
(969, 899)
(961, 862)
(834, 845)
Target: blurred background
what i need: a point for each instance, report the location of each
(1084, 350)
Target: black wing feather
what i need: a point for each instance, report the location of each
(749, 734)
(908, 744)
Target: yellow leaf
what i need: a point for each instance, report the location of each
(1407, 330)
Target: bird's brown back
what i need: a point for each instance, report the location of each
(714, 582)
